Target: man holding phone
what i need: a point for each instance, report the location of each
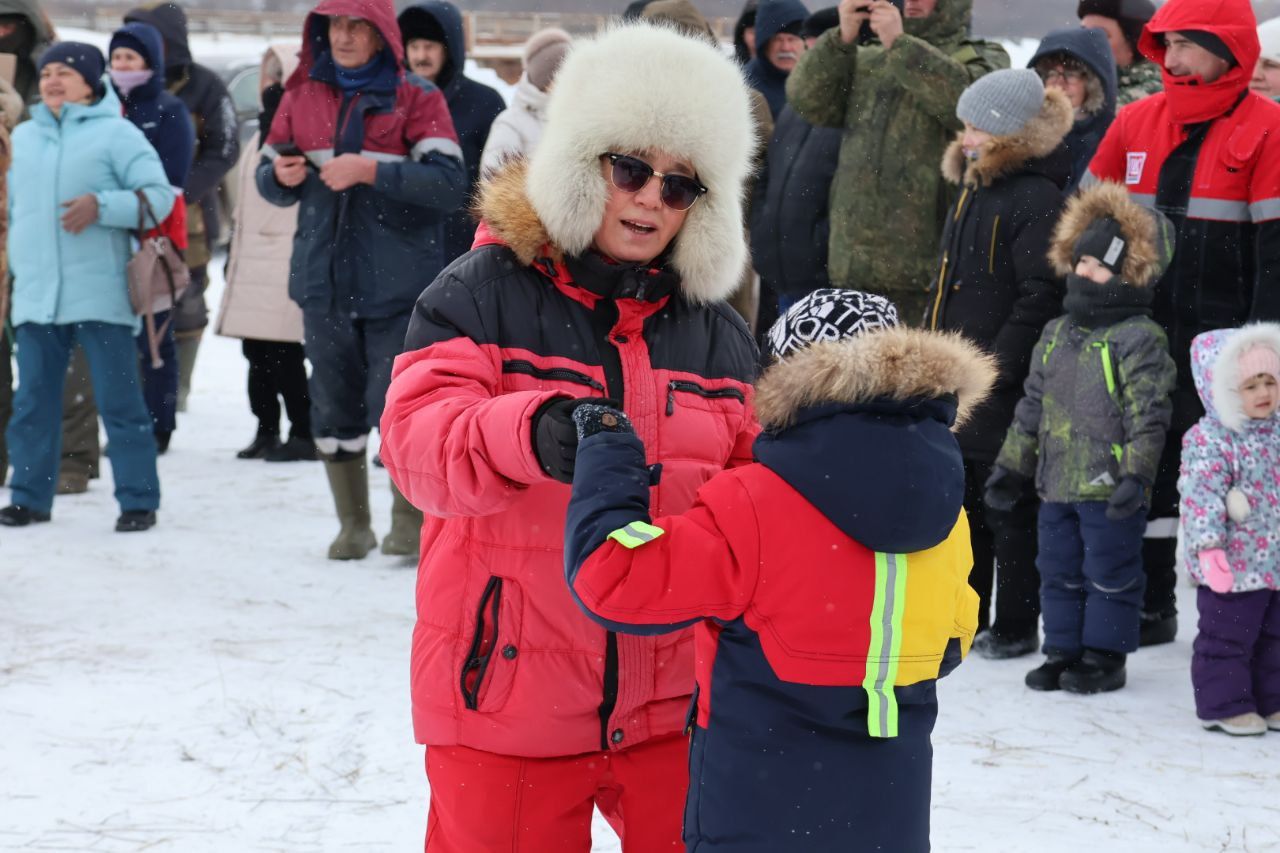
(893, 90)
(369, 235)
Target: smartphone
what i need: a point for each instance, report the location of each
(866, 35)
(288, 149)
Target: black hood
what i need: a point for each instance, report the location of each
(171, 21)
(446, 17)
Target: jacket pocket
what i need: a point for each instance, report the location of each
(489, 665)
(689, 392)
(523, 367)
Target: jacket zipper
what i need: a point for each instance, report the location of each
(482, 646)
(946, 257)
(694, 388)
(562, 374)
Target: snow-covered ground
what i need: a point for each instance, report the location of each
(218, 685)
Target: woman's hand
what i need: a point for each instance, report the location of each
(81, 212)
(290, 170)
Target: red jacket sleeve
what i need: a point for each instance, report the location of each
(703, 565)
(453, 443)
(1108, 163)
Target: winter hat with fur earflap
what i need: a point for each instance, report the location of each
(1134, 242)
(628, 90)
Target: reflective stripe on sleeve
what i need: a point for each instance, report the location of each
(636, 534)
(1218, 210)
(447, 147)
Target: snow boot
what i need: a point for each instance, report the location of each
(1156, 629)
(262, 444)
(406, 527)
(1048, 674)
(16, 515)
(135, 521)
(294, 450)
(1097, 672)
(1273, 721)
(997, 646)
(349, 482)
(1241, 725)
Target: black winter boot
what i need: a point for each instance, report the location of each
(1048, 674)
(15, 515)
(1097, 672)
(1156, 629)
(262, 444)
(996, 645)
(294, 450)
(135, 521)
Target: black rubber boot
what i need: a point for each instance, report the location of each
(1048, 674)
(1097, 672)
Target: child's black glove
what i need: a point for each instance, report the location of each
(592, 418)
(1003, 488)
(555, 435)
(1127, 499)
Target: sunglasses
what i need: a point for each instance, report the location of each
(631, 174)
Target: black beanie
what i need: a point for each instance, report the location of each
(420, 24)
(1131, 15)
(1104, 240)
(84, 58)
(821, 21)
(1211, 43)
(129, 40)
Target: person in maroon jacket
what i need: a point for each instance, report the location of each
(1205, 152)
(600, 271)
(372, 159)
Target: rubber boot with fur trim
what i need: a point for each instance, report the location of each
(349, 483)
(406, 527)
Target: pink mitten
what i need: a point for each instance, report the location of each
(1216, 570)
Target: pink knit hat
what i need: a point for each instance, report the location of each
(1259, 358)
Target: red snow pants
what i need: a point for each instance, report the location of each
(487, 803)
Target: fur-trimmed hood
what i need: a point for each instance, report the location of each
(1149, 234)
(861, 427)
(899, 364)
(628, 90)
(1006, 155)
(1215, 367)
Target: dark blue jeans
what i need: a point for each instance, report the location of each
(1091, 579)
(35, 434)
(160, 384)
(351, 361)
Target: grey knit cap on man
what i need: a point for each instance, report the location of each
(1002, 102)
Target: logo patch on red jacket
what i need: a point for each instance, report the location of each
(1133, 170)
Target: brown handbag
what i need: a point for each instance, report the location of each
(158, 276)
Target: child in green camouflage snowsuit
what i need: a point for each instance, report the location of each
(1090, 429)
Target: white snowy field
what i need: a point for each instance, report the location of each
(216, 684)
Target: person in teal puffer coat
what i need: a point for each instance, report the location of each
(77, 166)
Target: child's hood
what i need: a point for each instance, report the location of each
(861, 427)
(1149, 234)
(1215, 367)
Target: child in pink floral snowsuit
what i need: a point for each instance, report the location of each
(1230, 488)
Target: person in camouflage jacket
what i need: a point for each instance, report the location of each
(1091, 428)
(1122, 21)
(896, 104)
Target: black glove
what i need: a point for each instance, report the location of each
(1003, 488)
(1127, 499)
(592, 418)
(555, 435)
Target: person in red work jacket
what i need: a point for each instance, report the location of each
(1206, 154)
(372, 160)
(599, 272)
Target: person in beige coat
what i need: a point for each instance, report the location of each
(256, 305)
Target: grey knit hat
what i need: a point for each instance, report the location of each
(1002, 102)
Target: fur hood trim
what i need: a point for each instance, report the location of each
(1005, 155)
(628, 90)
(1148, 233)
(502, 204)
(1225, 376)
(898, 363)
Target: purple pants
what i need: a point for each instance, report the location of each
(1235, 666)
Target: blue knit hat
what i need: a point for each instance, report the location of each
(122, 38)
(84, 58)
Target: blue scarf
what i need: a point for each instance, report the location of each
(352, 80)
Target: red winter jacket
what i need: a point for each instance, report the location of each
(503, 660)
(1208, 157)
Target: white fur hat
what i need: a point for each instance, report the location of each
(643, 87)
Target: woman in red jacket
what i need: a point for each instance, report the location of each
(599, 271)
